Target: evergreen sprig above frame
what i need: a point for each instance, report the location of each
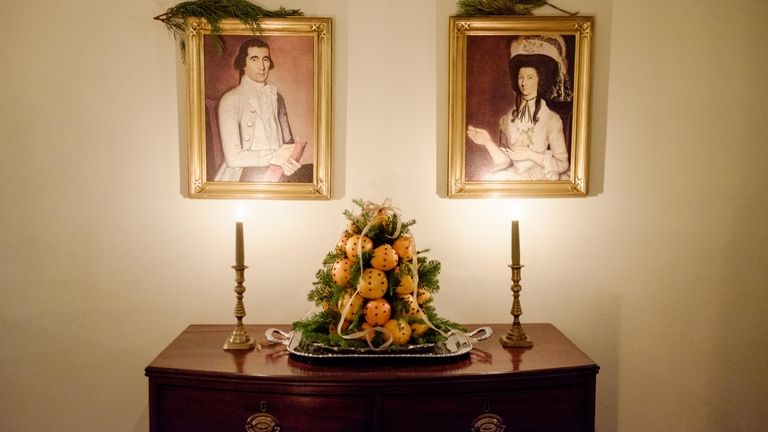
(503, 7)
(216, 10)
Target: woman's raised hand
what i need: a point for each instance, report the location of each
(479, 136)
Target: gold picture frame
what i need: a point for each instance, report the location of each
(260, 110)
(502, 143)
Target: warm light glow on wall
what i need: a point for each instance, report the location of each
(510, 208)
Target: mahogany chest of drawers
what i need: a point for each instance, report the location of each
(196, 386)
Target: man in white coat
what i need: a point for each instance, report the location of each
(253, 122)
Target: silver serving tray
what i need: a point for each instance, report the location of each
(456, 345)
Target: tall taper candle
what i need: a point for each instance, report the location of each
(239, 259)
(515, 243)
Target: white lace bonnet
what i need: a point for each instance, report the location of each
(552, 46)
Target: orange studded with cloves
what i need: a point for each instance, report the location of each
(342, 271)
(384, 258)
(377, 312)
(373, 283)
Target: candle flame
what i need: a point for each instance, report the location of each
(239, 214)
(515, 211)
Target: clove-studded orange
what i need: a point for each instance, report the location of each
(342, 271)
(384, 258)
(373, 283)
(377, 312)
(366, 245)
(355, 304)
(405, 247)
(400, 331)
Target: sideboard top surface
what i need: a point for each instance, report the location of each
(197, 352)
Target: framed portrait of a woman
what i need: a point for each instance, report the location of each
(519, 106)
(259, 107)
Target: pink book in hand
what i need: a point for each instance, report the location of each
(275, 171)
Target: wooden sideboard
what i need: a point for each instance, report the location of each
(194, 385)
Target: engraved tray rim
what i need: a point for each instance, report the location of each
(462, 343)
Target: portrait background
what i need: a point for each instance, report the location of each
(489, 93)
(293, 75)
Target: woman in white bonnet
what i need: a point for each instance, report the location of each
(532, 144)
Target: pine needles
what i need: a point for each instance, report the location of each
(503, 7)
(213, 11)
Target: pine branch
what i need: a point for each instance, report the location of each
(503, 7)
(429, 271)
(213, 11)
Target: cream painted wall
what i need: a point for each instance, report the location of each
(659, 275)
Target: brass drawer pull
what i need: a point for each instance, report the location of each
(262, 422)
(488, 423)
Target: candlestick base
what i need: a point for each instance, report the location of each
(516, 337)
(239, 339)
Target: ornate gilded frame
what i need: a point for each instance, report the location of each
(473, 43)
(210, 74)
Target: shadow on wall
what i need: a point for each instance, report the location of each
(603, 347)
(594, 325)
(142, 423)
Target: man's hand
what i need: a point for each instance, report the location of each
(282, 154)
(289, 167)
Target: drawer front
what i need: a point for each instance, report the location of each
(555, 409)
(181, 409)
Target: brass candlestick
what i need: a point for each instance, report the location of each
(239, 339)
(516, 337)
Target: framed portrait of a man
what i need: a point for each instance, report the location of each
(259, 109)
(519, 106)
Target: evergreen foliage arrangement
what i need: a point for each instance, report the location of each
(503, 7)
(214, 11)
(331, 297)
